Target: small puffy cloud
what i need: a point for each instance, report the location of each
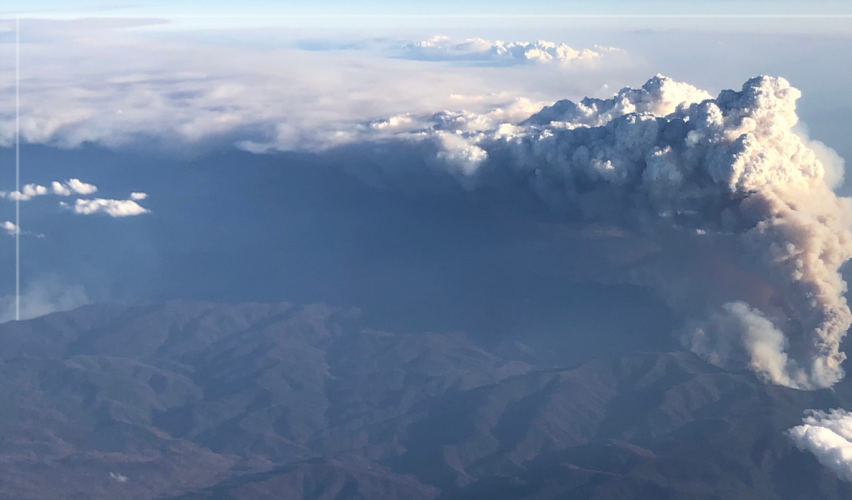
(113, 208)
(828, 435)
(29, 192)
(442, 48)
(10, 228)
(119, 478)
(32, 190)
(59, 189)
(81, 187)
(72, 186)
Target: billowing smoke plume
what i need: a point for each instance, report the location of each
(829, 437)
(670, 161)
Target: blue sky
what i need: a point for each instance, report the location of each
(438, 7)
(821, 17)
(413, 13)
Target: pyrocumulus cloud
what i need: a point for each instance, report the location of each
(667, 158)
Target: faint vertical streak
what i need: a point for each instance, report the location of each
(18, 169)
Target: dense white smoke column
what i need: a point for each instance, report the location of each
(667, 157)
(829, 437)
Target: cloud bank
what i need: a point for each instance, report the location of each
(173, 90)
(829, 437)
(442, 48)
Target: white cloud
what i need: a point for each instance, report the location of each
(175, 91)
(659, 96)
(442, 48)
(72, 186)
(28, 192)
(67, 188)
(59, 189)
(113, 208)
(10, 228)
(179, 89)
(80, 187)
(459, 154)
(828, 435)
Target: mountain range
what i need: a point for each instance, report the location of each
(193, 400)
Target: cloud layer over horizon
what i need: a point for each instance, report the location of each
(170, 92)
(443, 48)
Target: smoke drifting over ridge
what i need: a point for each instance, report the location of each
(669, 161)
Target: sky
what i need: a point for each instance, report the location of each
(443, 13)
(646, 175)
(437, 7)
